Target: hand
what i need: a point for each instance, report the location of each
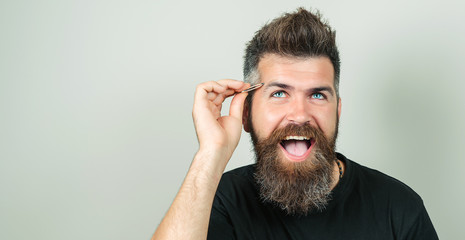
(216, 133)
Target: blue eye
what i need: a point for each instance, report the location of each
(318, 96)
(279, 94)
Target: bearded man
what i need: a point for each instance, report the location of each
(299, 188)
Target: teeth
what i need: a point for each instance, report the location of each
(296, 138)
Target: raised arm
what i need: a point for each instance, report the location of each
(218, 136)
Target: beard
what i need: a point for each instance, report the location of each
(296, 187)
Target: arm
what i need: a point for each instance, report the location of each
(218, 136)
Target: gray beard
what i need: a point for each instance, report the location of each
(297, 188)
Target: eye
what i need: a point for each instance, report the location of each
(318, 96)
(278, 94)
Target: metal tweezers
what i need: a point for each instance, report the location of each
(256, 86)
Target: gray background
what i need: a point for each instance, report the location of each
(95, 104)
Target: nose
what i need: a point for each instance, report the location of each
(299, 111)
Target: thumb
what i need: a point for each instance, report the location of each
(237, 105)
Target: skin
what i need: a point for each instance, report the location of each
(296, 91)
(218, 136)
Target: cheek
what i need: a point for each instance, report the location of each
(266, 119)
(326, 121)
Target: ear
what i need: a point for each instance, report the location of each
(339, 105)
(245, 116)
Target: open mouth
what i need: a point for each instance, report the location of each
(297, 148)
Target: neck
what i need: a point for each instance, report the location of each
(337, 172)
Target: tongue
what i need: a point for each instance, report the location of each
(295, 147)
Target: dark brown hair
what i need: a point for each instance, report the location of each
(301, 34)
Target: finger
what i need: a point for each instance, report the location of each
(234, 84)
(211, 96)
(207, 87)
(207, 91)
(237, 105)
(219, 99)
(217, 92)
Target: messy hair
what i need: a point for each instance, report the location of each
(300, 34)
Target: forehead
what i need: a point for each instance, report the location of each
(296, 71)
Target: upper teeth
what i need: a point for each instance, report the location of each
(296, 138)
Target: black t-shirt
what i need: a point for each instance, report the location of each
(366, 204)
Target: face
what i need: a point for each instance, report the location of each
(293, 125)
(298, 92)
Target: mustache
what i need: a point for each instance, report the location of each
(266, 149)
(305, 130)
(314, 134)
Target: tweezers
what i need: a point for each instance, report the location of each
(256, 86)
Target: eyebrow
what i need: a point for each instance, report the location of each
(288, 87)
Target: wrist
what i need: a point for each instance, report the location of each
(210, 163)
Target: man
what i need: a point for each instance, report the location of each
(300, 188)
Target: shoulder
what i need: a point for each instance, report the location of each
(390, 199)
(241, 174)
(237, 181)
(391, 204)
(382, 191)
(244, 171)
(384, 186)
